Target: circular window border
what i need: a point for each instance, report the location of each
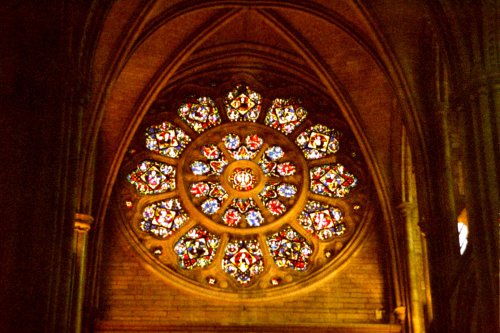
(339, 251)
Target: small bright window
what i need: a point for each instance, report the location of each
(463, 231)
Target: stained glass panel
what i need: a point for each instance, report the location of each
(211, 152)
(162, 218)
(332, 180)
(197, 248)
(240, 151)
(243, 207)
(215, 192)
(243, 260)
(318, 141)
(242, 104)
(199, 189)
(324, 221)
(166, 139)
(289, 249)
(285, 115)
(249, 177)
(269, 196)
(231, 217)
(243, 179)
(213, 167)
(152, 177)
(200, 113)
(270, 165)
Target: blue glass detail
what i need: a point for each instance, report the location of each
(275, 153)
(200, 168)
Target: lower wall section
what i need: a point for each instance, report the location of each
(135, 300)
(352, 328)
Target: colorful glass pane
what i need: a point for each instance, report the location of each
(166, 139)
(286, 190)
(210, 151)
(200, 168)
(246, 151)
(254, 217)
(217, 166)
(242, 104)
(214, 167)
(269, 165)
(152, 177)
(324, 221)
(272, 190)
(210, 206)
(231, 141)
(254, 142)
(318, 141)
(247, 206)
(289, 249)
(275, 207)
(200, 113)
(286, 169)
(196, 248)
(162, 218)
(269, 196)
(215, 192)
(231, 217)
(285, 115)
(243, 260)
(243, 204)
(332, 180)
(274, 153)
(243, 179)
(199, 189)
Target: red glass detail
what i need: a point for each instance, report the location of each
(276, 207)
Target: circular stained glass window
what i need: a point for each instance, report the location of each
(236, 200)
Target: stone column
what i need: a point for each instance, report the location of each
(482, 171)
(82, 226)
(409, 214)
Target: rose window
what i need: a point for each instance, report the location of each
(239, 200)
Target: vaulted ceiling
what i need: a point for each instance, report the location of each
(334, 49)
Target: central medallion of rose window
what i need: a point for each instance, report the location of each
(242, 197)
(243, 179)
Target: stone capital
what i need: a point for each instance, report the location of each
(83, 222)
(406, 208)
(400, 313)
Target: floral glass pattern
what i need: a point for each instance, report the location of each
(196, 248)
(200, 113)
(243, 209)
(289, 249)
(324, 221)
(332, 180)
(242, 179)
(152, 177)
(214, 164)
(243, 104)
(271, 193)
(242, 150)
(162, 218)
(318, 142)
(285, 115)
(166, 139)
(243, 260)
